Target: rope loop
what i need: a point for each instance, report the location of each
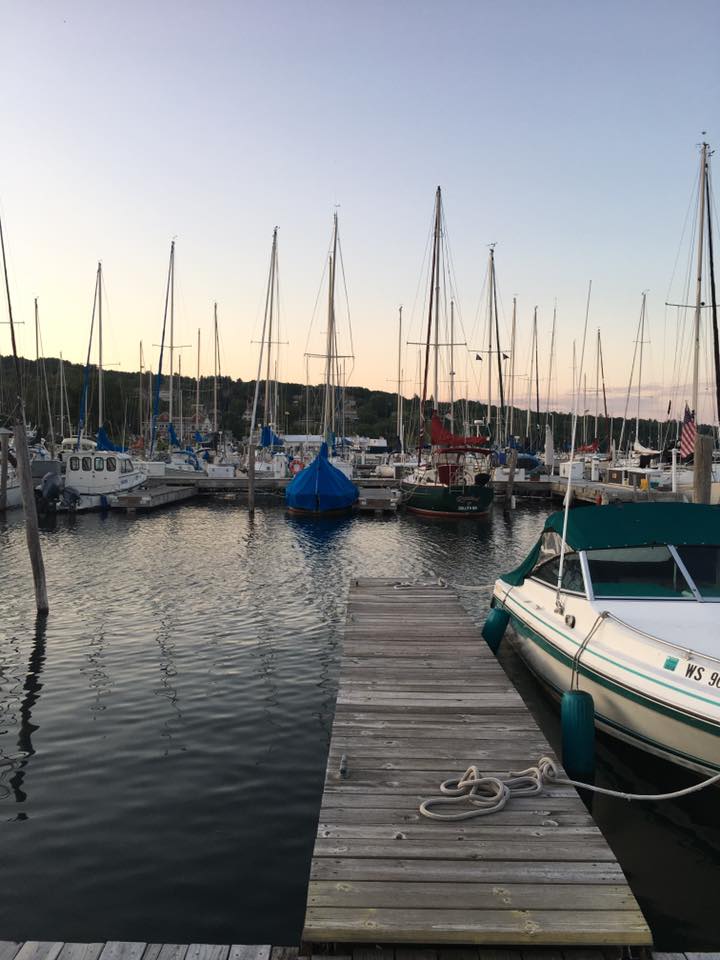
(486, 795)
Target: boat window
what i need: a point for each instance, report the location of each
(127, 466)
(87, 463)
(111, 464)
(74, 463)
(99, 463)
(703, 565)
(648, 571)
(572, 580)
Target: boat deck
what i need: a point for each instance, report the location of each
(421, 698)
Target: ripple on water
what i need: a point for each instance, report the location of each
(163, 737)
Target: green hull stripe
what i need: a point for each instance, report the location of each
(615, 663)
(632, 734)
(655, 705)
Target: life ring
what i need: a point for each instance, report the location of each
(296, 466)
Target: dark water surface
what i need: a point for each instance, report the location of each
(163, 736)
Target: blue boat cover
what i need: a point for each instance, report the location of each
(104, 442)
(321, 487)
(268, 438)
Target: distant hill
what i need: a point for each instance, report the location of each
(366, 412)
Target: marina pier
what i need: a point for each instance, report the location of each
(421, 698)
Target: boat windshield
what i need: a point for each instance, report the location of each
(703, 565)
(634, 572)
(572, 578)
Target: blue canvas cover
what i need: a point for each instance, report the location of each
(104, 442)
(321, 487)
(268, 438)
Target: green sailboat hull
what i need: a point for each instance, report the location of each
(432, 500)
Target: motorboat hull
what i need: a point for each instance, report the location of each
(632, 700)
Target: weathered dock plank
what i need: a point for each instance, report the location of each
(420, 699)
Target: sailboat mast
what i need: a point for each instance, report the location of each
(537, 371)
(642, 339)
(533, 354)
(452, 365)
(101, 419)
(501, 389)
(140, 394)
(713, 297)
(550, 367)
(197, 387)
(271, 289)
(329, 399)
(511, 401)
(180, 409)
(597, 383)
(215, 381)
(172, 331)
(37, 366)
(435, 258)
(698, 283)
(491, 273)
(438, 228)
(62, 407)
(398, 426)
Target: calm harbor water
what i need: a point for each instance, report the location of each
(163, 735)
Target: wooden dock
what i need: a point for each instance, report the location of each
(421, 698)
(134, 950)
(378, 500)
(153, 497)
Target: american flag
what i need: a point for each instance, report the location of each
(687, 437)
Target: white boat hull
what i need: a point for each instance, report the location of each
(637, 698)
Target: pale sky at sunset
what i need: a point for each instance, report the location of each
(566, 132)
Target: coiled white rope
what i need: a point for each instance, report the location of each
(486, 795)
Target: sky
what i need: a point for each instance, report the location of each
(564, 132)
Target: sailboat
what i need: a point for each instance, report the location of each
(322, 489)
(269, 460)
(93, 478)
(455, 482)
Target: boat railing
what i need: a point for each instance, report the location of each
(666, 643)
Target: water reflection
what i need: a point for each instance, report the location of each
(26, 728)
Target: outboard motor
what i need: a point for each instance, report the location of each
(48, 492)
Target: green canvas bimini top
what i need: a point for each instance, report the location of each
(638, 525)
(628, 525)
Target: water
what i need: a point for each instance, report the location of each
(163, 737)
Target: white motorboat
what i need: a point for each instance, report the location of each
(635, 621)
(93, 479)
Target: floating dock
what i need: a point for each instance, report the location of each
(421, 697)
(152, 497)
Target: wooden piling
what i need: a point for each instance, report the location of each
(251, 479)
(512, 464)
(4, 452)
(702, 470)
(32, 531)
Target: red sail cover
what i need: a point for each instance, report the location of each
(440, 437)
(593, 447)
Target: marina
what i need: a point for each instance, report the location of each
(359, 482)
(263, 674)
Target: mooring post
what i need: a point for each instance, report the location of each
(4, 452)
(510, 480)
(32, 531)
(251, 479)
(702, 470)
